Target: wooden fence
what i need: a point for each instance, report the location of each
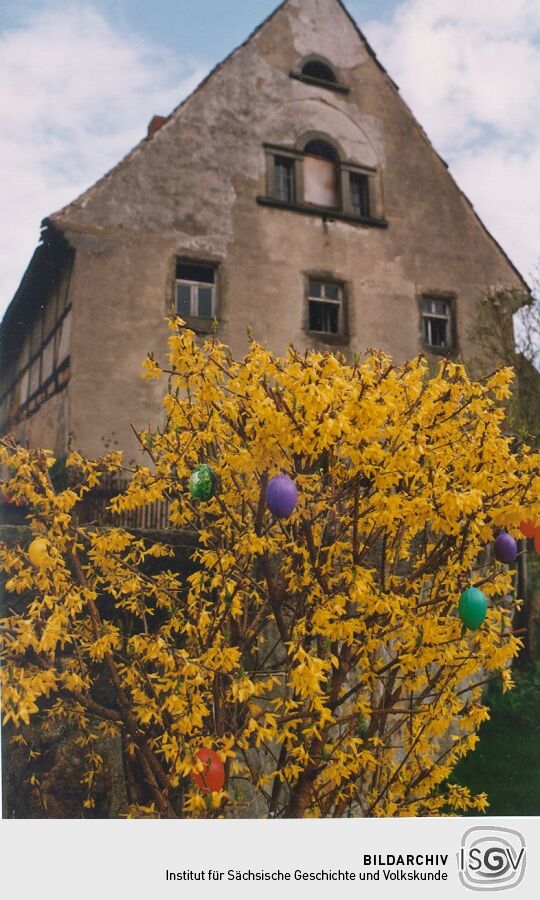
(94, 508)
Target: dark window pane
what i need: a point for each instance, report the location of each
(317, 69)
(284, 179)
(205, 302)
(322, 149)
(315, 288)
(436, 332)
(359, 194)
(195, 272)
(323, 317)
(439, 332)
(183, 299)
(331, 291)
(436, 307)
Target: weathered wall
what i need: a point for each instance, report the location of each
(191, 190)
(34, 356)
(119, 316)
(49, 427)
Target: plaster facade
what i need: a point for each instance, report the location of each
(195, 189)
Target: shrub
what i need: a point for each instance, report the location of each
(319, 655)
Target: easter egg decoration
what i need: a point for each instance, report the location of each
(528, 529)
(212, 777)
(281, 496)
(472, 608)
(202, 483)
(505, 548)
(37, 551)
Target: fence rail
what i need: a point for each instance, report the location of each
(94, 508)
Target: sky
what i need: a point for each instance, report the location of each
(79, 82)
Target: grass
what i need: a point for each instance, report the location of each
(506, 761)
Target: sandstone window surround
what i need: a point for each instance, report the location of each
(438, 322)
(196, 293)
(316, 70)
(315, 179)
(325, 308)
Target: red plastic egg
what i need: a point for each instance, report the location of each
(212, 777)
(528, 529)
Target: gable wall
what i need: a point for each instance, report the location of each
(191, 190)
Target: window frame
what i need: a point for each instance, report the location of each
(341, 336)
(324, 83)
(285, 162)
(449, 299)
(199, 324)
(364, 178)
(344, 170)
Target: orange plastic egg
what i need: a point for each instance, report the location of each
(212, 777)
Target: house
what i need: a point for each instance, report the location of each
(292, 195)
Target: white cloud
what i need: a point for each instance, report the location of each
(75, 95)
(470, 70)
(74, 98)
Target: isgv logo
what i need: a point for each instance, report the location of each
(491, 858)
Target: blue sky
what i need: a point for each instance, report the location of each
(80, 80)
(207, 28)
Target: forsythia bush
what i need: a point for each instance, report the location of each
(320, 656)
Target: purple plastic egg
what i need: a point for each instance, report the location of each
(281, 496)
(505, 547)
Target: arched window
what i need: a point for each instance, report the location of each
(316, 68)
(315, 176)
(321, 185)
(318, 71)
(321, 148)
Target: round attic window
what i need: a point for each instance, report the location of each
(315, 68)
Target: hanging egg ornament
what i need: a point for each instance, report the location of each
(472, 608)
(281, 496)
(505, 548)
(212, 777)
(528, 529)
(37, 551)
(202, 483)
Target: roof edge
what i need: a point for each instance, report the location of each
(59, 213)
(494, 240)
(52, 242)
(55, 223)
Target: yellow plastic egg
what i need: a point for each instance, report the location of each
(37, 551)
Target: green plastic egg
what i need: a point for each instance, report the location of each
(472, 608)
(202, 483)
